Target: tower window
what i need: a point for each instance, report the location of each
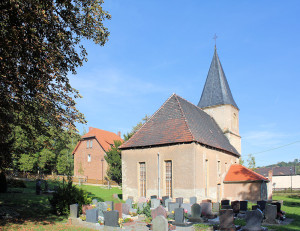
(89, 158)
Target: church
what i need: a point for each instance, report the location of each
(185, 150)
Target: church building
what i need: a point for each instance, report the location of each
(185, 150)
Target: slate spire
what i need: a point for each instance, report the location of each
(216, 89)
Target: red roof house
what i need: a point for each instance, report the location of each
(89, 153)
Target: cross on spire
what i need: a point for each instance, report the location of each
(215, 38)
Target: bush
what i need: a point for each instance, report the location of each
(68, 194)
(3, 183)
(13, 183)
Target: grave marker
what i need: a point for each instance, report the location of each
(227, 219)
(196, 213)
(159, 211)
(92, 215)
(111, 218)
(74, 210)
(193, 200)
(253, 220)
(271, 214)
(160, 223)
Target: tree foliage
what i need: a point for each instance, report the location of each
(40, 45)
(113, 159)
(251, 162)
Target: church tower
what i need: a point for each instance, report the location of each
(217, 101)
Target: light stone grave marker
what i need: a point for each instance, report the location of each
(160, 223)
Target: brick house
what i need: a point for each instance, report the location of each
(89, 153)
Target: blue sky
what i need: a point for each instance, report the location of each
(157, 48)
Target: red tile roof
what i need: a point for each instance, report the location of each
(104, 138)
(239, 173)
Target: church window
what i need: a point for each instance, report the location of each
(87, 143)
(169, 178)
(89, 158)
(219, 167)
(143, 179)
(206, 177)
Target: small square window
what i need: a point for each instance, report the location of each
(89, 158)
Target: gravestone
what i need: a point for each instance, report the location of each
(227, 219)
(207, 200)
(94, 201)
(278, 204)
(153, 197)
(74, 210)
(164, 198)
(243, 206)
(271, 214)
(141, 206)
(38, 187)
(160, 223)
(111, 218)
(167, 201)
(142, 200)
(179, 216)
(159, 211)
(187, 207)
(172, 206)
(92, 215)
(225, 202)
(119, 208)
(86, 207)
(255, 207)
(110, 205)
(196, 213)
(193, 200)
(155, 203)
(125, 209)
(102, 207)
(216, 207)
(179, 200)
(235, 206)
(129, 202)
(253, 220)
(206, 208)
(262, 205)
(226, 207)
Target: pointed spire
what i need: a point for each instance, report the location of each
(216, 90)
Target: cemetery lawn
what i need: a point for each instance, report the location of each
(35, 211)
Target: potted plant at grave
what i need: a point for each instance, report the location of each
(101, 221)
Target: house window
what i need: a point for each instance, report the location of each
(87, 143)
(169, 178)
(91, 143)
(143, 179)
(89, 158)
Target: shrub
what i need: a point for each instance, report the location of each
(147, 210)
(3, 183)
(68, 194)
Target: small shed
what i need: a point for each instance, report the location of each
(241, 183)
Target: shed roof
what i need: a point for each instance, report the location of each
(179, 121)
(239, 173)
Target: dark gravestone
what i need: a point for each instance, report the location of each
(155, 203)
(92, 215)
(153, 197)
(167, 201)
(119, 208)
(255, 207)
(193, 200)
(235, 206)
(164, 198)
(262, 205)
(278, 204)
(216, 207)
(172, 206)
(159, 211)
(226, 207)
(253, 220)
(179, 216)
(129, 202)
(206, 208)
(110, 205)
(196, 213)
(271, 214)
(225, 202)
(207, 200)
(179, 200)
(111, 218)
(38, 187)
(94, 201)
(243, 205)
(160, 223)
(227, 219)
(74, 210)
(102, 207)
(86, 207)
(125, 209)
(187, 207)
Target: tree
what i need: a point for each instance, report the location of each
(113, 159)
(251, 162)
(241, 161)
(40, 45)
(136, 128)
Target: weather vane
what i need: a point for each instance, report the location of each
(215, 38)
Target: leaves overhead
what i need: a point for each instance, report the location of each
(40, 44)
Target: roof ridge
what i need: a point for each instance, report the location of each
(185, 120)
(255, 173)
(149, 119)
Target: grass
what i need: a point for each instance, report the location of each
(200, 227)
(35, 211)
